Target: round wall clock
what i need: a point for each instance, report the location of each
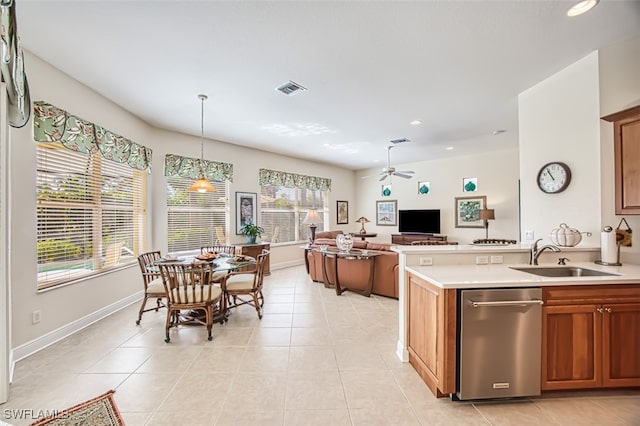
(554, 177)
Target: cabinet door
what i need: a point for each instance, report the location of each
(571, 352)
(621, 348)
(627, 159)
(432, 334)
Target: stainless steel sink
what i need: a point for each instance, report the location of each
(563, 271)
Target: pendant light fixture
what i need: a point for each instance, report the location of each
(201, 184)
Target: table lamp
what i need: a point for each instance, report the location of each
(362, 220)
(311, 219)
(487, 215)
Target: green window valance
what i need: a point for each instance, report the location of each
(292, 180)
(176, 165)
(53, 124)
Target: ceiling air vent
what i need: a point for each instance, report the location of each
(397, 141)
(291, 88)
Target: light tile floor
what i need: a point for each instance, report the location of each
(315, 359)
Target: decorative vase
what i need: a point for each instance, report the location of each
(251, 239)
(344, 242)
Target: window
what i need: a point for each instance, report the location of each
(195, 219)
(90, 214)
(282, 211)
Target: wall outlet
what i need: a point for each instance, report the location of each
(497, 259)
(35, 317)
(528, 235)
(426, 261)
(482, 260)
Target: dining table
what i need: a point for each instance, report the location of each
(223, 262)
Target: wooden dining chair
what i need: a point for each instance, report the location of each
(218, 249)
(248, 284)
(153, 287)
(190, 292)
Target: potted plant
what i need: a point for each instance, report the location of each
(251, 231)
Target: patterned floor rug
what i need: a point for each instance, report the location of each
(99, 411)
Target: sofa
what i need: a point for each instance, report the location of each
(354, 275)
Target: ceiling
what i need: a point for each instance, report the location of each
(370, 67)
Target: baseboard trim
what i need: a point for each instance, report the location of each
(289, 264)
(21, 352)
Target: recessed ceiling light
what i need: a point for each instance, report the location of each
(499, 131)
(582, 7)
(449, 148)
(415, 122)
(291, 88)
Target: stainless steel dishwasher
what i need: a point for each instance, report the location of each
(499, 343)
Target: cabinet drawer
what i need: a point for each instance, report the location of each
(576, 295)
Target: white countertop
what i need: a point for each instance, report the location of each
(471, 248)
(488, 276)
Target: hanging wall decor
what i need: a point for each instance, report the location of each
(424, 188)
(469, 184)
(386, 190)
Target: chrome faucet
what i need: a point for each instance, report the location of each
(535, 252)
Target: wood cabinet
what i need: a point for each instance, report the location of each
(626, 127)
(432, 334)
(407, 239)
(591, 337)
(254, 250)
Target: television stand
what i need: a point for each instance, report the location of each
(407, 238)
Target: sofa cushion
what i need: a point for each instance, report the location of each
(378, 246)
(324, 241)
(328, 234)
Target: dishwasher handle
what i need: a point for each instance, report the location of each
(506, 303)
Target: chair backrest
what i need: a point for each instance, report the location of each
(146, 259)
(218, 249)
(186, 283)
(222, 239)
(261, 262)
(276, 234)
(113, 253)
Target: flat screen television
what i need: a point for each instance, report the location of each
(419, 221)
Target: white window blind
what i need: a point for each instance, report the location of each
(90, 214)
(282, 211)
(195, 219)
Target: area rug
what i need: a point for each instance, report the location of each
(99, 411)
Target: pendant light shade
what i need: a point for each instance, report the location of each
(201, 184)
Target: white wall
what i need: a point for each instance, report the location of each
(619, 90)
(559, 121)
(497, 174)
(65, 305)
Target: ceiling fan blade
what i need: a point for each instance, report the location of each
(402, 175)
(407, 172)
(383, 177)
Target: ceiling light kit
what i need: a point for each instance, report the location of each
(581, 7)
(201, 184)
(415, 122)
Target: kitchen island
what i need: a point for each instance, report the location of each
(590, 324)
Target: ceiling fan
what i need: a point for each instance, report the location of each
(389, 171)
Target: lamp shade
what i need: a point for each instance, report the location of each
(362, 219)
(312, 217)
(201, 185)
(487, 214)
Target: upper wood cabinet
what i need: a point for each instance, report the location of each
(627, 159)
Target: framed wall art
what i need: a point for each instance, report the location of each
(387, 213)
(468, 211)
(342, 209)
(246, 209)
(469, 184)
